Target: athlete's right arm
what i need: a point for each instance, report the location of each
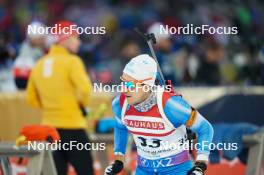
(120, 140)
(120, 130)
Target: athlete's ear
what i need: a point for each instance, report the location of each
(192, 118)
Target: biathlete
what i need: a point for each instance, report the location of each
(156, 119)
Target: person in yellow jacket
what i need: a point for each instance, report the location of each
(60, 86)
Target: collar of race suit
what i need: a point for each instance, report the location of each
(147, 104)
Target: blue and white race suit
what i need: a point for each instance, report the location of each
(160, 133)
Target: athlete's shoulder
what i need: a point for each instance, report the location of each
(178, 104)
(178, 101)
(167, 95)
(177, 109)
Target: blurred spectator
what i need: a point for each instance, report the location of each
(119, 17)
(31, 50)
(208, 72)
(7, 54)
(165, 54)
(128, 50)
(261, 61)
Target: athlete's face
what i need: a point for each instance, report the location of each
(134, 95)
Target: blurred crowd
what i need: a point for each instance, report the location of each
(187, 60)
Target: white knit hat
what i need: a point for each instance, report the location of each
(142, 67)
